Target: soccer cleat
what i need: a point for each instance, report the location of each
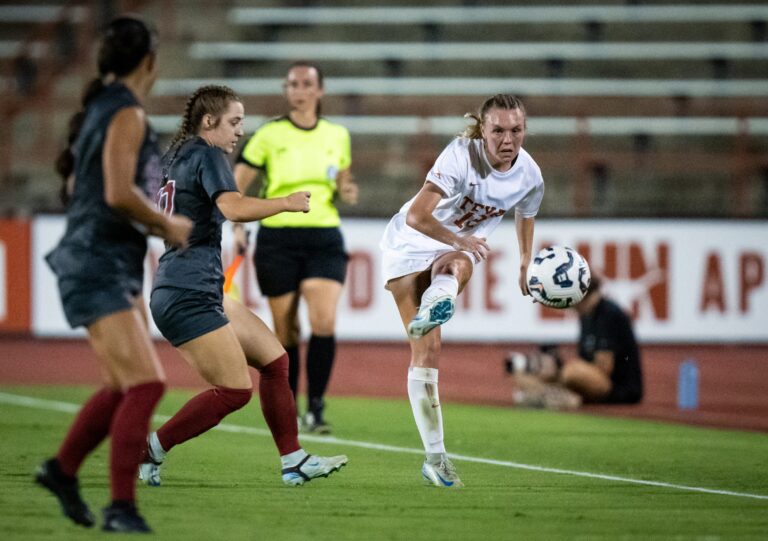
(123, 517)
(442, 474)
(149, 472)
(149, 468)
(310, 424)
(430, 316)
(66, 491)
(312, 467)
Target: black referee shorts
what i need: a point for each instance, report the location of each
(286, 256)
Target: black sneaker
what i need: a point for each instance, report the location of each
(315, 424)
(66, 490)
(314, 421)
(123, 517)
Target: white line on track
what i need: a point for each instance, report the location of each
(67, 407)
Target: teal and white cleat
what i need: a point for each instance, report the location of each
(443, 474)
(312, 467)
(430, 316)
(149, 472)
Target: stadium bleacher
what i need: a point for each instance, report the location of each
(616, 92)
(499, 14)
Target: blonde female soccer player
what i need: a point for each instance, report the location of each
(430, 248)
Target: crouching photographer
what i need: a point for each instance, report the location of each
(607, 369)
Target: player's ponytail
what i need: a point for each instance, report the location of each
(186, 128)
(65, 162)
(126, 41)
(499, 101)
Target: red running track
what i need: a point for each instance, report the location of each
(733, 379)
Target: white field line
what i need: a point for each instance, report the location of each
(67, 407)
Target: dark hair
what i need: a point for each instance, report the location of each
(124, 44)
(594, 285)
(320, 77)
(499, 101)
(207, 100)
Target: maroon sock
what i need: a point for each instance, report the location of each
(200, 414)
(129, 429)
(278, 406)
(90, 428)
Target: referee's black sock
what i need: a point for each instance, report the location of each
(320, 354)
(293, 369)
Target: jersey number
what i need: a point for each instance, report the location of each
(165, 197)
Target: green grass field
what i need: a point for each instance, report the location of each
(226, 484)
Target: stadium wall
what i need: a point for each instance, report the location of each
(683, 281)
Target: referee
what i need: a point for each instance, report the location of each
(302, 256)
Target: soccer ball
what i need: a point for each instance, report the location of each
(558, 277)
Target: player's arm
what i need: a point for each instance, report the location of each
(524, 228)
(420, 218)
(245, 175)
(122, 145)
(347, 187)
(237, 207)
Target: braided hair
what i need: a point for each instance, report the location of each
(499, 101)
(207, 100)
(126, 41)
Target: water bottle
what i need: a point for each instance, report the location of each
(688, 385)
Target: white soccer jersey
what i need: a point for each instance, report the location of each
(476, 198)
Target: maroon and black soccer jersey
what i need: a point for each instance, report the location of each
(196, 175)
(99, 242)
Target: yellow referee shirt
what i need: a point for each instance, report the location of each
(296, 159)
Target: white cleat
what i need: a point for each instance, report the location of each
(313, 467)
(443, 474)
(430, 316)
(149, 472)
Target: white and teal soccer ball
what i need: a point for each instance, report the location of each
(558, 277)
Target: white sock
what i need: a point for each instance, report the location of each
(156, 451)
(425, 403)
(291, 459)
(435, 458)
(442, 285)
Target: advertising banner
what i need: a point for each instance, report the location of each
(15, 293)
(682, 281)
